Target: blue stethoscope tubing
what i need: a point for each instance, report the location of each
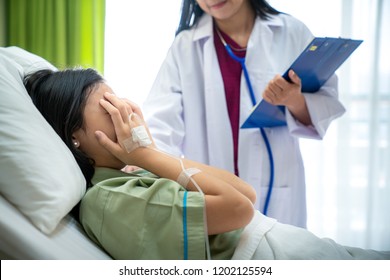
(241, 60)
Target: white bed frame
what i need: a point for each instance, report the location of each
(20, 239)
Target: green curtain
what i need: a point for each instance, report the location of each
(67, 33)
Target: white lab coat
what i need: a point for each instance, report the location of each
(187, 114)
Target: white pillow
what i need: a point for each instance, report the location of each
(38, 173)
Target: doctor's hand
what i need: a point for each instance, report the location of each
(289, 94)
(281, 92)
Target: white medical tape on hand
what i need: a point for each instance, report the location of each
(184, 177)
(139, 138)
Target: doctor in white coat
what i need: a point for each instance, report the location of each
(187, 109)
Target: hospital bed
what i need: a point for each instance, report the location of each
(40, 181)
(20, 239)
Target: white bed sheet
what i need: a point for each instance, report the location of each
(19, 239)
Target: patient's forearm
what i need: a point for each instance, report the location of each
(228, 177)
(228, 199)
(223, 175)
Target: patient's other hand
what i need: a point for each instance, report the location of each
(130, 168)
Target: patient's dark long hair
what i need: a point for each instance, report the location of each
(61, 96)
(191, 12)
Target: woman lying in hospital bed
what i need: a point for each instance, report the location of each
(172, 208)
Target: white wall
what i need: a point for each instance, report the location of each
(138, 36)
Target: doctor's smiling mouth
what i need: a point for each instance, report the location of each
(217, 5)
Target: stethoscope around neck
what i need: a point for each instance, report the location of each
(241, 60)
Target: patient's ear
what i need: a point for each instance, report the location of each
(75, 142)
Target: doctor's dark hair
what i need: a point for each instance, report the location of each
(191, 12)
(60, 96)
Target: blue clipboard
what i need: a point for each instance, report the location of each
(315, 65)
